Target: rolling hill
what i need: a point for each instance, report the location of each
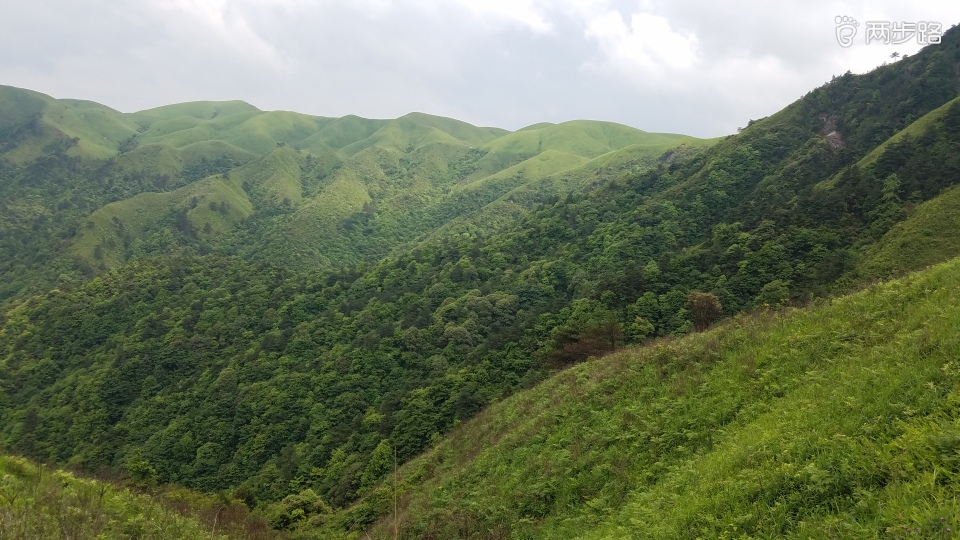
(284, 319)
(306, 192)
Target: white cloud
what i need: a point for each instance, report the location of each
(692, 66)
(224, 21)
(527, 13)
(647, 50)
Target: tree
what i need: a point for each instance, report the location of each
(296, 508)
(640, 329)
(890, 210)
(775, 293)
(704, 308)
(589, 329)
(379, 464)
(140, 471)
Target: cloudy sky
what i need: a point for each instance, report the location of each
(701, 67)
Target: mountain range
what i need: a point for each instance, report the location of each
(420, 328)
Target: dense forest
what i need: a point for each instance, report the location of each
(284, 319)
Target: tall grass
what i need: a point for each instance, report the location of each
(37, 502)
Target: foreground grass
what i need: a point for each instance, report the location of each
(839, 421)
(37, 502)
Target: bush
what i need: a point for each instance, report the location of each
(704, 308)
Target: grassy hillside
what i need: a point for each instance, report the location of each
(583, 138)
(411, 131)
(33, 124)
(39, 503)
(930, 234)
(516, 202)
(359, 190)
(914, 130)
(145, 224)
(833, 421)
(371, 197)
(390, 282)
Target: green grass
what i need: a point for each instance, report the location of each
(421, 171)
(201, 110)
(929, 235)
(98, 128)
(236, 123)
(40, 503)
(496, 212)
(101, 240)
(153, 159)
(416, 130)
(20, 104)
(837, 421)
(580, 137)
(425, 183)
(262, 133)
(540, 166)
(345, 194)
(193, 153)
(541, 182)
(343, 131)
(275, 178)
(914, 130)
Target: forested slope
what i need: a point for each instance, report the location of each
(837, 421)
(229, 361)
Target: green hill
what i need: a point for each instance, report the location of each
(361, 189)
(282, 319)
(409, 132)
(579, 137)
(834, 421)
(345, 206)
(931, 234)
(34, 124)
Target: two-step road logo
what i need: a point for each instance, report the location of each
(887, 32)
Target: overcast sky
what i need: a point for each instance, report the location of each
(700, 67)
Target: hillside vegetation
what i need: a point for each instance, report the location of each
(284, 319)
(39, 503)
(87, 188)
(838, 421)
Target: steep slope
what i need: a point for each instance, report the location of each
(228, 373)
(517, 202)
(407, 181)
(204, 215)
(929, 235)
(835, 421)
(414, 130)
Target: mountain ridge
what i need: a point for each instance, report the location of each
(370, 304)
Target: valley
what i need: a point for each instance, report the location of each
(421, 328)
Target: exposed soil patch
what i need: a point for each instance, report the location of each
(828, 129)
